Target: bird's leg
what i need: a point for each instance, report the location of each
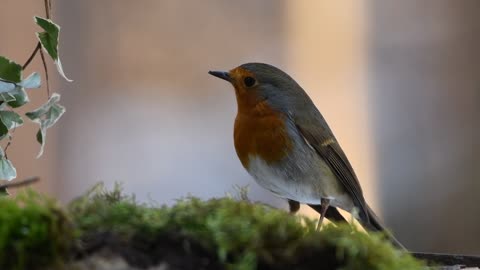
(294, 206)
(325, 203)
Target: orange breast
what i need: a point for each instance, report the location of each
(262, 133)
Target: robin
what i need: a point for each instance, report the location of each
(286, 145)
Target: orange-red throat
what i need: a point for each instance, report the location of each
(259, 131)
(247, 96)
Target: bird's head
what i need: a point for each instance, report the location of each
(258, 83)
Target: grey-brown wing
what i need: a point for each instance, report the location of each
(328, 148)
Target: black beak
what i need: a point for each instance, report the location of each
(221, 75)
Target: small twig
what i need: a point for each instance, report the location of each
(46, 72)
(20, 183)
(35, 51)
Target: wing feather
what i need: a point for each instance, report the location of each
(328, 148)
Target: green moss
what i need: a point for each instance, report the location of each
(34, 232)
(242, 235)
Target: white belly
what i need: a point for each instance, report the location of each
(305, 183)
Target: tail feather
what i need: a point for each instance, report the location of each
(374, 224)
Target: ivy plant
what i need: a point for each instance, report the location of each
(14, 88)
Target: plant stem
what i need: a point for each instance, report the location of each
(35, 51)
(46, 73)
(48, 8)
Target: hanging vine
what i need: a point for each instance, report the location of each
(13, 92)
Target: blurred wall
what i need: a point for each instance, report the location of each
(425, 101)
(143, 110)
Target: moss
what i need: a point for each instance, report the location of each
(214, 234)
(34, 232)
(242, 235)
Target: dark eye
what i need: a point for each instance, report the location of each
(249, 81)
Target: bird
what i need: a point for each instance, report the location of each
(286, 145)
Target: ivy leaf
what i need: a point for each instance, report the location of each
(49, 41)
(32, 81)
(10, 74)
(46, 116)
(12, 87)
(6, 97)
(19, 95)
(6, 86)
(10, 70)
(7, 171)
(10, 119)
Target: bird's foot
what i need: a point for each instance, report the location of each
(325, 203)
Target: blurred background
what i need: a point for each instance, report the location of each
(398, 82)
